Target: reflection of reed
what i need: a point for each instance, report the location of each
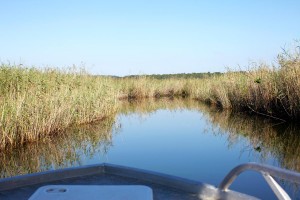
(267, 137)
(280, 140)
(152, 105)
(64, 151)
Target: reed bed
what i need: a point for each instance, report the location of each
(36, 104)
(270, 90)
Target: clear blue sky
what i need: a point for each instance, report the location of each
(121, 37)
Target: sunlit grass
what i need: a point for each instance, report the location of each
(36, 104)
(273, 91)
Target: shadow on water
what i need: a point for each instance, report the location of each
(265, 137)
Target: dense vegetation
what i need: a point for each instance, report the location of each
(181, 75)
(35, 104)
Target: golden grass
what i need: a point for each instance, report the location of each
(35, 104)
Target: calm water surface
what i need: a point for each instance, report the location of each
(178, 137)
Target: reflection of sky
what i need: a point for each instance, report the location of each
(182, 143)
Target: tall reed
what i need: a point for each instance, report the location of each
(270, 90)
(35, 103)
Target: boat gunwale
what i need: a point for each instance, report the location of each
(183, 184)
(49, 176)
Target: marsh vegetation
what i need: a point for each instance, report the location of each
(36, 104)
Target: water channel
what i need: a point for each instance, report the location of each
(178, 137)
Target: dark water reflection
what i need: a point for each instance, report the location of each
(270, 138)
(179, 137)
(66, 150)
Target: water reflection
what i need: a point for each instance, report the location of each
(266, 138)
(270, 141)
(64, 150)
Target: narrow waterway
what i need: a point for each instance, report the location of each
(178, 137)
